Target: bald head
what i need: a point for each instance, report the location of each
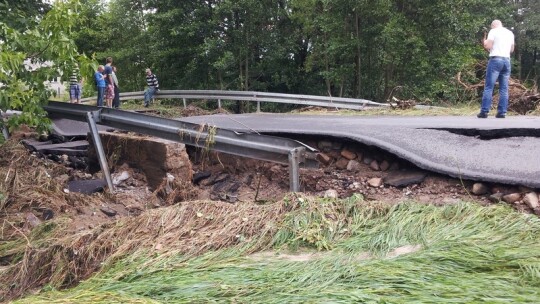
(496, 24)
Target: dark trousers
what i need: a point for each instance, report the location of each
(116, 100)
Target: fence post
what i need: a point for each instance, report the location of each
(185, 106)
(99, 149)
(295, 155)
(5, 131)
(219, 103)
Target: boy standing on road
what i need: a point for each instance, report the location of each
(499, 43)
(153, 87)
(75, 85)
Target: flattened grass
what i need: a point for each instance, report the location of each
(464, 253)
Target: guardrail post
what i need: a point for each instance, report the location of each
(258, 107)
(295, 156)
(219, 103)
(5, 131)
(99, 148)
(185, 105)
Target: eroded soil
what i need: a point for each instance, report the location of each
(42, 194)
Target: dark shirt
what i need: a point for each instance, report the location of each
(108, 71)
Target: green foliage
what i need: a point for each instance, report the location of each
(22, 14)
(363, 49)
(527, 24)
(32, 56)
(317, 224)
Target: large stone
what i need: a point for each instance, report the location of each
(154, 156)
(323, 158)
(353, 166)
(479, 189)
(496, 197)
(531, 199)
(404, 178)
(511, 198)
(324, 145)
(32, 221)
(342, 163)
(348, 154)
(88, 186)
(331, 193)
(108, 211)
(118, 178)
(375, 182)
(374, 165)
(385, 165)
(199, 176)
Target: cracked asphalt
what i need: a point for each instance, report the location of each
(494, 150)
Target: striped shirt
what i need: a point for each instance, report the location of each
(151, 81)
(75, 77)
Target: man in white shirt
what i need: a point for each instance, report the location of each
(499, 43)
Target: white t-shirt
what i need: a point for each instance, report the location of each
(503, 39)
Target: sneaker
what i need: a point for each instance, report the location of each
(482, 115)
(499, 115)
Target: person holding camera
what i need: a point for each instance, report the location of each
(500, 44)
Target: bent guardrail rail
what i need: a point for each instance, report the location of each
(311, 100)
(252, 145)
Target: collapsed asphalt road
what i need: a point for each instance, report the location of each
(493, 150)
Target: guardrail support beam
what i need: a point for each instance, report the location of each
(99, 148)
(5, 132)
(295, 156)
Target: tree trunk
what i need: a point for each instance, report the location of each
(327, 69)
(358, 58)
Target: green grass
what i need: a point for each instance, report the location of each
(464, 253)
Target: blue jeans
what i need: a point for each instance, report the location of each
(100, 93)
(149, 94)
(498, 68)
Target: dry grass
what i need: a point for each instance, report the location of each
(190, 228)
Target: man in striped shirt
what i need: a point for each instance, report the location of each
(153, 87)
(75, 85)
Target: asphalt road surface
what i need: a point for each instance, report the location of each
(493, 150)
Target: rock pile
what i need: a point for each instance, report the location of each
(521, 197)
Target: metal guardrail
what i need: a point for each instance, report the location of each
(256, 146)
(311, 100)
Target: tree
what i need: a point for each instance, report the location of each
(350, 48)
(34, 54)
(527, 31)
(22, 14)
